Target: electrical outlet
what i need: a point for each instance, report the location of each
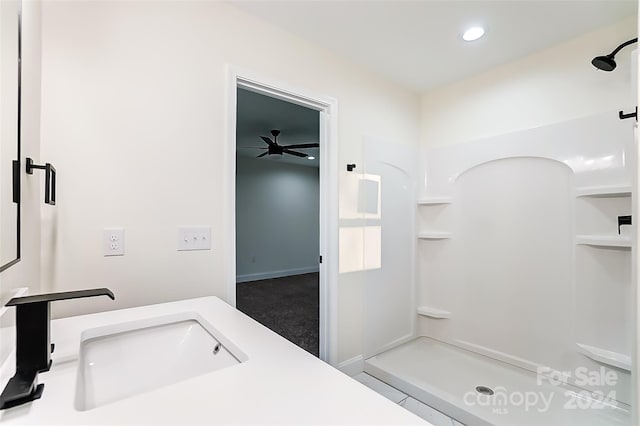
(194, 238)
(113, 242)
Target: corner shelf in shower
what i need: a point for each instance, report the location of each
(434, 235)
(604, 241)
(607, 357)
(433, 201)
(427, 311)
(604, 191)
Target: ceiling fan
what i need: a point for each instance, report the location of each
(273, 148)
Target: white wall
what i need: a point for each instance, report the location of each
(133, 117)
(277, 219)
(26, 273)
(550, 86)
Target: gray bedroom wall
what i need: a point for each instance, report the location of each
(277, 208)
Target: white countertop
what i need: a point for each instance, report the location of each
(278, 384)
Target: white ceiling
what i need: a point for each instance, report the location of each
(257, 115)
(418, 43)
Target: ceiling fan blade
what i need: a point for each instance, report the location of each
(263, 154)
(268, 141)
(297, 154)
(303, 145)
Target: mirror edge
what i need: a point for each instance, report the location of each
(18, 141)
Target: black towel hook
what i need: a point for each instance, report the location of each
(624, 116)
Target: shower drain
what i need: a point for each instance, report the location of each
(484, 390)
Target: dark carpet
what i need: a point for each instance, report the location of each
(289, 306)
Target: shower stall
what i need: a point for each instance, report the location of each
(496, 274)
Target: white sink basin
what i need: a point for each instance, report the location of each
(122, 360)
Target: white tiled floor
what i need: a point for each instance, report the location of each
(416, 407)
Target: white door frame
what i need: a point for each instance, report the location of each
(328, 109)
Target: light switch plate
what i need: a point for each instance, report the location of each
(194, 238)
(113, 242)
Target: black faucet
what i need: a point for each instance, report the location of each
(33, 347)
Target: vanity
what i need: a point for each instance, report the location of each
(196, 361)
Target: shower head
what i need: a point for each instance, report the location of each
(604, 63)
(607, 62)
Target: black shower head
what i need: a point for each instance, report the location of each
(607, 62)
(604, 63)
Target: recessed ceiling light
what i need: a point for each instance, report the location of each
(473, 33)
(311, 158)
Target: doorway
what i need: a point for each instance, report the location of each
(327, 171)
(277, 216)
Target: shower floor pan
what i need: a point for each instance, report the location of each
(445, 377)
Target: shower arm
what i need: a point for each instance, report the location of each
(622, 46)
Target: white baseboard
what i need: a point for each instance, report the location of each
(276, 274)
(352, 366)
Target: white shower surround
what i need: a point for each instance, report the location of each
(590, 293)
(594, 147)
(389, 246)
